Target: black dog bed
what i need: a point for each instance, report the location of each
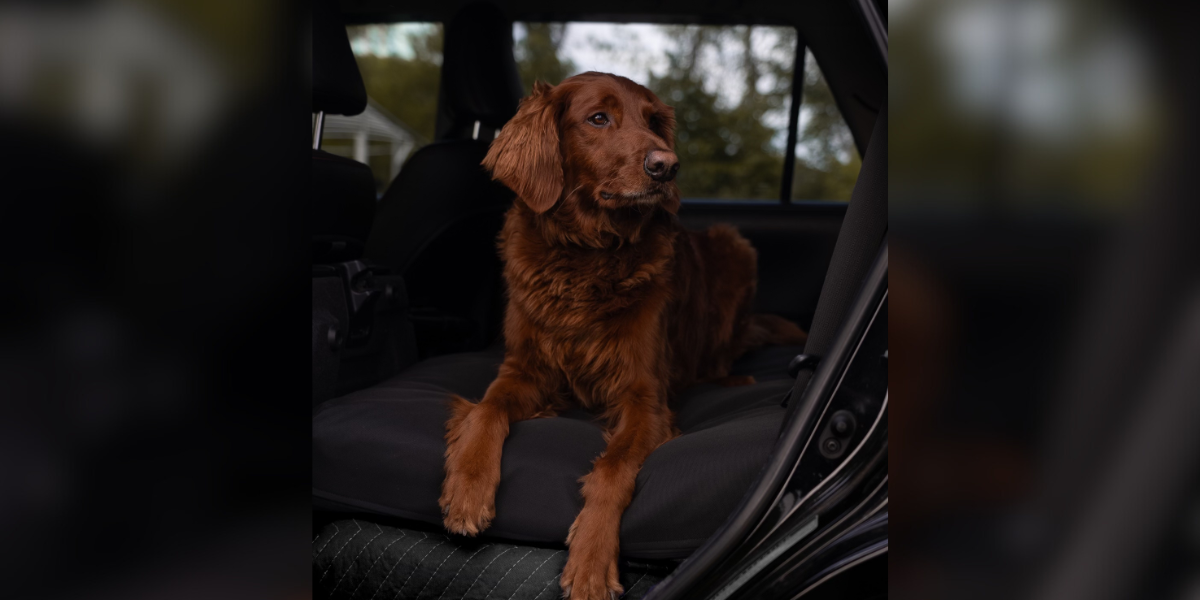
(380, 451)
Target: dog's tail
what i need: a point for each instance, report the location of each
(773, 330)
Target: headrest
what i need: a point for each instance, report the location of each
(337, 86)
(479, 75)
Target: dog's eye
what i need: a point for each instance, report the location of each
(598, 119)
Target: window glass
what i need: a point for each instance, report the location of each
(731, 89)
(827, 162)
(401, 66)
(730, 86)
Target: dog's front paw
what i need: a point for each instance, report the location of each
(468, 504)
(468, 498)
(589, 577)
(591, 571)
(467, 507)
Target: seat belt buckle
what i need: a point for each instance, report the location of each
(801, 362)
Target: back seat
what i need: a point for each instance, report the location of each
(360, 334)
(379, 451)
(438, 220)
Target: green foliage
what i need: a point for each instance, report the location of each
(407, 88)
(538, 55)
(729, 152)
(725, 152)
(827, 161)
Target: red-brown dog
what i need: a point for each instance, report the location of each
(612, 304)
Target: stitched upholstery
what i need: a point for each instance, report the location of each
(358, 559)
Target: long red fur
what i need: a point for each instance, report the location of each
(612, 304)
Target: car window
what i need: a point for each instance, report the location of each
(401, 68)
(827, 161)
(730, 86)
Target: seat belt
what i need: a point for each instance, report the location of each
(863, 230)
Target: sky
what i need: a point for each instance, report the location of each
(632, 50)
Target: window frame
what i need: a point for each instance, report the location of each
(789, 153)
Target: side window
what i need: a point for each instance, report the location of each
(731, 89)
(730, 86)
(827, 162)
(401, 66)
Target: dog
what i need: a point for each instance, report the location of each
(611, 304)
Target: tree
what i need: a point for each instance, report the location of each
(408, 87)
(827, 162)
(725, 151)
(405, 87)
(731, 151)
(539, 55)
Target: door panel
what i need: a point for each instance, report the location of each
(794, 243)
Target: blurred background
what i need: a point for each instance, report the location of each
(154, 420)
(1045, 322)
(154, 417)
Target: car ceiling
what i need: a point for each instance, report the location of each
(834, 31)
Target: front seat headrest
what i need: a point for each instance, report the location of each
(479, 75)
(337, 86)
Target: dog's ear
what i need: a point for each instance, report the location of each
(525, 156)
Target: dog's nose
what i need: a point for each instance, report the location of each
(661, 165)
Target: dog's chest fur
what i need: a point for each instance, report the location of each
(564, 286)
(590, 309)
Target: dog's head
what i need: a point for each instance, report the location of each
(594, 139)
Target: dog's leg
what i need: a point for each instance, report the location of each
(474, 441)
(642, 423)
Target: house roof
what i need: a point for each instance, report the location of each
(378, 122)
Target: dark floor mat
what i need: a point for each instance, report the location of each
(359, 559)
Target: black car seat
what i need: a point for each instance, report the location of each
(343, 190)
(438, 221)
(359, 334)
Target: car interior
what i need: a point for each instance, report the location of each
(408, 300)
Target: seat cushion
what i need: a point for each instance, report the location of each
(380, 450)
